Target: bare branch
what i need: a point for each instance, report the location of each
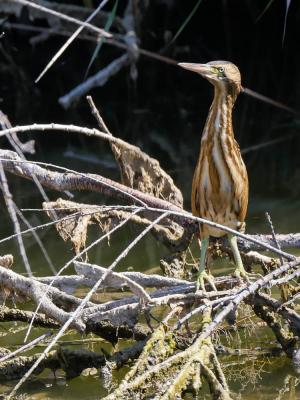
(84, 24)
(84, 302)
(41, 293)
(36, 237)
(99, 79)
(12, 212)
(93, 272)
(27, 346)
(79, 181)
(84, 251)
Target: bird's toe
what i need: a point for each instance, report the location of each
(205, 277)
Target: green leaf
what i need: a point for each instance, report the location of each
(185, 22)
(107, 26)
(264, 11)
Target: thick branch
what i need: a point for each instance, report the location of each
(72, 362)
(14, 314)
(36, 291)
(77, 181)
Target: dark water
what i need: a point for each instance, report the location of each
(250, 377)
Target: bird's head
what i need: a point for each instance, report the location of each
(222, 74)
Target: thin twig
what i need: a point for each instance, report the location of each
(69, 41)
(266, 280)
(84, 251)
(274, 236)
(36, 237)
(144, 52)
(83, 303)
(12, 212)
(66, 17)
(26, 347)
(20, 152)
(97, 115)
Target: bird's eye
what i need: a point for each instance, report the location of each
(221, 69)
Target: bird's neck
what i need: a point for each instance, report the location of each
(219, 120)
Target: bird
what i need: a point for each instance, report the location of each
(220, 185)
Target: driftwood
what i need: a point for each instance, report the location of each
(176, 293)
(174, 354)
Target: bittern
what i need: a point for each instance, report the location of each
(220, 183)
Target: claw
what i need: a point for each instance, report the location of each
(242, 275)
(202, 277)
(246, 276)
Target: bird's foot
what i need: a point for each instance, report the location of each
(242, 275)
(202, 277)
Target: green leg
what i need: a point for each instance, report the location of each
(204, 246)
(202, 274)
(239, 270)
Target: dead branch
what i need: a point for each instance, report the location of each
(277, 307)
(36, 237)
(71, 361)
(26, 147)
(253, 257)
(104, 329)
(13, 216)
(181, 368)
(14, 314)
(177, 293)
(75, 228)
(163, 370)
(140, 374)
(283, 336)
(138, 170)
(99, 79)
(28, 346)
(289, 240)
(58, 15)
(146, 175)
(62, 11)
(94, 272)
(102, 76)
(30, 288)
(45, 8)
(77, 181)
(78, 311)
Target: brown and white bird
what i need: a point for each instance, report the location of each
(220, 183)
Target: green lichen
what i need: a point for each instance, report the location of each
(163, 372)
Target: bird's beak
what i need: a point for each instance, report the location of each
(202, 69)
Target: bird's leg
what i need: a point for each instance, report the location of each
(239, 270)
(202, 274)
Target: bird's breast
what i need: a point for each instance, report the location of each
(220, 185)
